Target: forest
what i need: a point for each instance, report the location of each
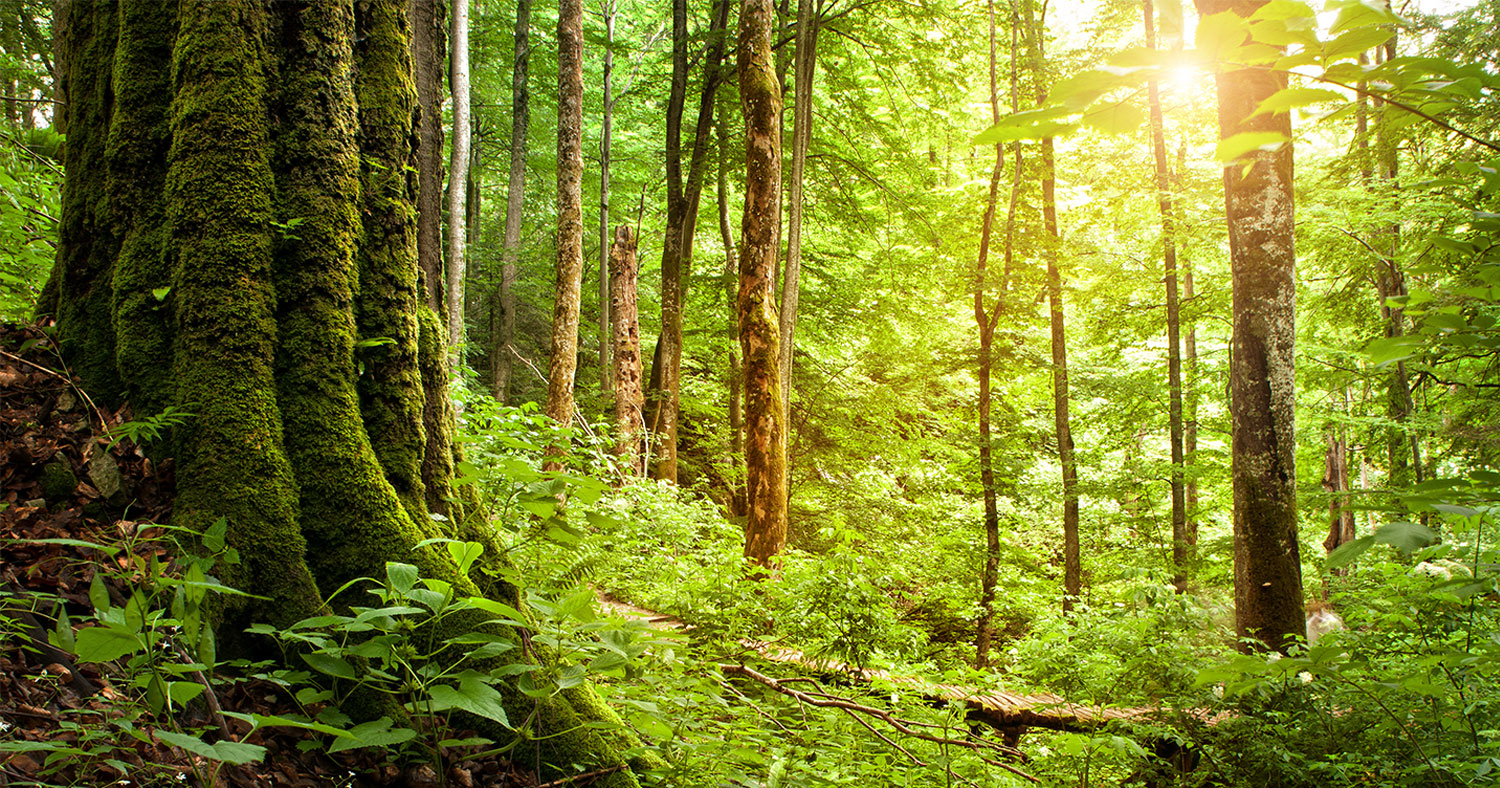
(757, 393)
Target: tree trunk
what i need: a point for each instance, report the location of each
(564, 358)
(605, 253)
(458, 174)
(986, 322)
(1336, 484)
(736, 368)
(1072, 561)
(1262, 259)
(514, 193)
(1181, 549)
(765, 434)
(682, 213)
(429, 53)
(629, 401)
(806, 60)
(292, 111)
(1190, 394)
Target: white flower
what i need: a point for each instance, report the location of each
(1305, 677)
(1274, 656)
(1218, 690)
(4, 726)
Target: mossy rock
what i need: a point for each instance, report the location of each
(58, 481)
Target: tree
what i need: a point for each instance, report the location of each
(564, 359)
(270, 149)
(626, 333)
(986, 320)
(607, 379)
(682, 219)
(809, 18)
(514, 194)
(1262, 258)
(765, 433)
(458, 170)
(1180, 542)
(429, 52)
(1072, 560)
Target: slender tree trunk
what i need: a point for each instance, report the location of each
(666, 363)
(1072, 562)
(986, 322)
(1181, 550)
(1190, 395)
(765, 434)
(429, 52)
(630, 444)
(736, 371)
(605, 252)
(806, 60)
(682, 213)
(1262, 258)
(458, 172)
(515, 192)
(564, 358)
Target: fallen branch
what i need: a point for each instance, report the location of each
(903, 726)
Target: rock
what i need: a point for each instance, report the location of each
(66, 400)
(37, 503)
(421, 776)
(58, 481)
(105, 474)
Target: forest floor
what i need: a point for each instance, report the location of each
(68, 723)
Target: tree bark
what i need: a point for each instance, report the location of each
(429, 53)
(1190, 393)
(458, 174)
(1072, 560)
(1181, 548)
(630, 444)
(514, 193)
(986, 322)
(293, 111)
(1262, 258)
(682, 213)
(605, 253)
(765, 434)
(564, 359)
(806, 60)
(736, 367)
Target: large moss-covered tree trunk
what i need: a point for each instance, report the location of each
(240, 242)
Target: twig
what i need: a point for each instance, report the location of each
(66, 379)
(902, 726)
(585, 776)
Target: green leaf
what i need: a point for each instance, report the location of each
(183, 692)
(1347, 552)
(1119, 118)
(1032, 124)
(331, 665)
(161, 292)
(1287, 99)
(1406, 537)
(103, 644)
(473, 694)
(376, 733)
(1361, 13)
(1385, 351)
(1355, 41)
(465, 554)
(214, 537)
(401, 577)
(1284, 9)
(1220, 34)
(98, 594)
(226, 751)
(1233, 148)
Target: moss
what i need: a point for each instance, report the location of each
(390, 384)
(437, 411)
(58, 481)
(231, 462)
(87, 247)
(140, 135)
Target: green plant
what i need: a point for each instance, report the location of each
(147, 429)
